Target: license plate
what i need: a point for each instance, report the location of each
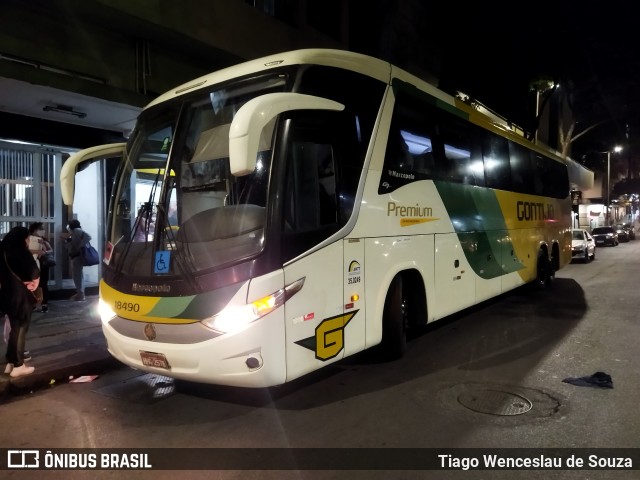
(600, 241)
(152, 359)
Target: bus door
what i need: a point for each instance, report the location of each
(318, 330)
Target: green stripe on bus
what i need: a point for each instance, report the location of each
(171, 307)
(479, 224)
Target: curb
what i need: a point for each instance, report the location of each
(65, 342)
(84, 361)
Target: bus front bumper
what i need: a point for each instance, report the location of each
(252, 357)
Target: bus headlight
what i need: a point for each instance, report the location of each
(105, 311)
(235, 318)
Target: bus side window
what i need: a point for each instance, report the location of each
(495, 153)
(458, 147)
(558, 179)
(412, 152)
(521, 173)
(315, 196)
(310, 198)
(538, 174)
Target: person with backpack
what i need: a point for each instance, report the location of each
(75, 240)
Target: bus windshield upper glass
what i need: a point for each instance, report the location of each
(175, 193)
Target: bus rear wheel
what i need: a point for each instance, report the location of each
(395, 321)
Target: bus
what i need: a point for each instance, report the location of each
(277, 216)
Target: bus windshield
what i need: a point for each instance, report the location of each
(174, 194)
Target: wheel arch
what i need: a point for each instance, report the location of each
(545, 271)
(414, 285)
(416, 288)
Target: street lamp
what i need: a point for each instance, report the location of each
(616, 149)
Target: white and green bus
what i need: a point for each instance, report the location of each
(276, 216)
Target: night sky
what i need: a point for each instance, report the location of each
(493, 50)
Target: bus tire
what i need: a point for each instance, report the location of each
(543, 268)
(394, 322)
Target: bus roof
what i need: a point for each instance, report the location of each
(364, 64)
(357, 62)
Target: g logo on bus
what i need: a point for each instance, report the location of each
(328, 341)
(150, 332)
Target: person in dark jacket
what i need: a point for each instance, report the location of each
(19, 277)
(76, 239)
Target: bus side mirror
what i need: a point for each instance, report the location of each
(69, 168)
(249, 122)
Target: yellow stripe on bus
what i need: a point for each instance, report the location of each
(138, 307)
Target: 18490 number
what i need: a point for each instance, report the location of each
(127, 306)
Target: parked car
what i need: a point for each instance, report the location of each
(605, 236)
(632, 231)
(628, 228)
(583, 245)
(623, 233)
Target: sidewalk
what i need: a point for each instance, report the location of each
(65, 342)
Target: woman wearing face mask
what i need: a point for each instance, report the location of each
(39, 246)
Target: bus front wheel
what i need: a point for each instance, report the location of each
(394, 321)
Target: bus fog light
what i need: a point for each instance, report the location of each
(253, 363)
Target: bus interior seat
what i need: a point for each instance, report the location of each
(221, 223)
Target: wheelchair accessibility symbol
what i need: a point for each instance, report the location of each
(163, 260)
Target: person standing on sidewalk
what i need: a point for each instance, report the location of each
(76, 239)
(39, 246)
(19, 277)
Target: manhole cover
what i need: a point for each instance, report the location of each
(495, 402)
